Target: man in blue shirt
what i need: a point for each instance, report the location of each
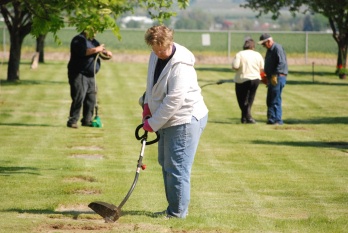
(276, 69)
(81, 72)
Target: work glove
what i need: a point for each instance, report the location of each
(274, 80)
(147, 127)
(146, 112)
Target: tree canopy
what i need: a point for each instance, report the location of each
(39, 17)
(335, 10)
(97, 15)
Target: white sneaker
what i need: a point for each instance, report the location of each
(163, 214)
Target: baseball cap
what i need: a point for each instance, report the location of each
(264, 37)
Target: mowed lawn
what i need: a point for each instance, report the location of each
(246, 178)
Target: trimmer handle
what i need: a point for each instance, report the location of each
(144, 136)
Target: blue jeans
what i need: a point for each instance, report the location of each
(176, 151)
(274, 101)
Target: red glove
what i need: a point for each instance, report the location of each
(263, 77)
(147, 127)
(146, 112)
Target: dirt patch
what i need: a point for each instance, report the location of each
(94, 227)
(80, 179)
(87, 192)
(295, 128)
(92, 148)
(87, 156)
(75, 227)
(74, 208)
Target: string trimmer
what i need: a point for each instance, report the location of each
(219, 82)
(110, 212)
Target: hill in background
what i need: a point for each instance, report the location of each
(229, 15)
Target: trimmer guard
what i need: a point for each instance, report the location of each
(109, 212)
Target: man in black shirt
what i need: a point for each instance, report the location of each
(82, 68)
(276, 69)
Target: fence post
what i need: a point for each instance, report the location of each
(306, 49)
(229, 45)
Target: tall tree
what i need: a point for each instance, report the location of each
(43, 16)
(18, 22)
(335, 10)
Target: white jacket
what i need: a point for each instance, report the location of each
(248, 64)
(176, 96)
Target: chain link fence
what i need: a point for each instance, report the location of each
(303, 45)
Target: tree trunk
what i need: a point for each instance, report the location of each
(342, 44)
(40, 45)
(342, 52)
(15, 56)
(18, 22)
(340, 35)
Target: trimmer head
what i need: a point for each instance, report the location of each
(109, 212)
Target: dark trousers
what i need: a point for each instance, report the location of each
(83, 95)
(245, 93)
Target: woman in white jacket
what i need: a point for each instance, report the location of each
(174, 107)
(248, 65)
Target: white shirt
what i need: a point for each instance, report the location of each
(248, 64)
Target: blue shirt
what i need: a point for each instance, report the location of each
(275, 61)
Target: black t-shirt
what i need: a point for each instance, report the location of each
(161, 64)
(79, 62)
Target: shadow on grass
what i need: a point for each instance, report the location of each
(306, 82)
(336, 144)
(7, 171)
(323, 120)
(215, 69)
(311, 73)
(28, 124)
(31, 82)
(309, 78)
(70, 213)
(140, 213)
(229, 121)
(75, 214)
(219, 82)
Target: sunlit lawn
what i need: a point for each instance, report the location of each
(246, 178)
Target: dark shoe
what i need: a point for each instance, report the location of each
(88, 124)
(250, 121)
(71, 125)
(243, 120)
(272, 123)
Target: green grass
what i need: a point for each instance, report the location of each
(246, 178)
